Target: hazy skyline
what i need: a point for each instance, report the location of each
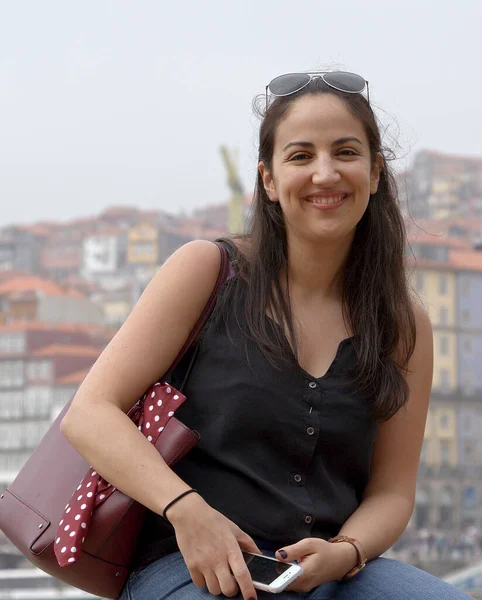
(114, 102)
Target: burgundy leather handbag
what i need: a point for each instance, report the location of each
(59, 510)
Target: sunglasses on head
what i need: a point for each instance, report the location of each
(285, 85)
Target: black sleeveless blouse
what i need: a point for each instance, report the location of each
(283, 454)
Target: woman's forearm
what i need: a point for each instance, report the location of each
(378, 522)
(113, 445)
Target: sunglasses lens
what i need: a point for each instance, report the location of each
(345, 82)
(288, 84)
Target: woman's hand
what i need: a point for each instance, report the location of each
(321, 562)
(211, 546)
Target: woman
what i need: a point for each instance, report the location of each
(312, 383)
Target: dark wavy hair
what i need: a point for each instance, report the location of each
(375, 294)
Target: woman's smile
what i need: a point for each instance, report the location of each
(326, 202)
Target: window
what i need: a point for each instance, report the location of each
(422, 506)
(468, 347)
(62, 395)
(445, 452)
(444, 315)
(13, 343)
(469, 497)
(467, 423)
(33, 432)
(37, 402)
(10, 435)
(443, 285)
(466, 316)
(444, 379)
(39, 370)
(11, 373)
(444, 345)
(468, 382)
(11, 404)
(444, 421)
(466, 286)
(143, 249)
(446, 507)
(13, 461)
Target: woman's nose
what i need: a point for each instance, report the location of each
(325, 172)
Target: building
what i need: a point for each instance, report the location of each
(20, 248)
(447, 274)
(440, 186)
(103, 255)
(40, 366)
(61, 256)
(30, 298)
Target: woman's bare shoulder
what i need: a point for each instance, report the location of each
(155, 331)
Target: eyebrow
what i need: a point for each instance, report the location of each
(343, 140)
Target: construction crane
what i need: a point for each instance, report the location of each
(236, 204)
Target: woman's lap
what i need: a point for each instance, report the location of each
(382, 579)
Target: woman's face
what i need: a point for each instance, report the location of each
(322, 174)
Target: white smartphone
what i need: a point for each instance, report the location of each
(269, 574)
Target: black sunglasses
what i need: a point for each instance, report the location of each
(285, 85)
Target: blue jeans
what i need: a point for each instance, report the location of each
(382, 579)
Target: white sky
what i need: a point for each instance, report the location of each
(127, 101)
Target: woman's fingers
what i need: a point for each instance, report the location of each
(227, 582)
(212, 583)
(242, 575)
(197, 578)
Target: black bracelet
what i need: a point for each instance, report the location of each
(175, 500)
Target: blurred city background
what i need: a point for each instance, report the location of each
(126, 131)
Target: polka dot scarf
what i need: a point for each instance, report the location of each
(151, 415)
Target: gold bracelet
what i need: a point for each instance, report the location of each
(362, 558)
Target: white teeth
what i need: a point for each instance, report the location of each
(328, 200)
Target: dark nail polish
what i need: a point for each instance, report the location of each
(283, 554)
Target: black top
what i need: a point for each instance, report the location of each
(282, 454)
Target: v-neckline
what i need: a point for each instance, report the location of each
(331, 365)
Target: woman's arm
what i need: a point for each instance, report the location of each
(390, 494)
(388, 500)
(97, 426)
(141, 351)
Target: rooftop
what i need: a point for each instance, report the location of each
(31, 283)
(73, 378)
(66, 350)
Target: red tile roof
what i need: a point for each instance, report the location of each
(32, 283)
(466, 261)
(66, 350)
(73, 378)
(71, 327)
(437, 239)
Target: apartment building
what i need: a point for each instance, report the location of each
(448, 277)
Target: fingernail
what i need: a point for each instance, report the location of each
(283, 554)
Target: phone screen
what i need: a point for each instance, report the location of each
(264, 570)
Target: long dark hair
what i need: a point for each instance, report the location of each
(375, 296)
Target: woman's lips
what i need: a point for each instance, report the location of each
(326, 202)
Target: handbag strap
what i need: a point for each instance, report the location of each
(226, 271)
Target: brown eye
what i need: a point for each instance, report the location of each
(348, 152)
(300, 156)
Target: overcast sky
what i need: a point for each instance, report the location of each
(108, 102)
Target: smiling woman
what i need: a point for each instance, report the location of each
(310, 388)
